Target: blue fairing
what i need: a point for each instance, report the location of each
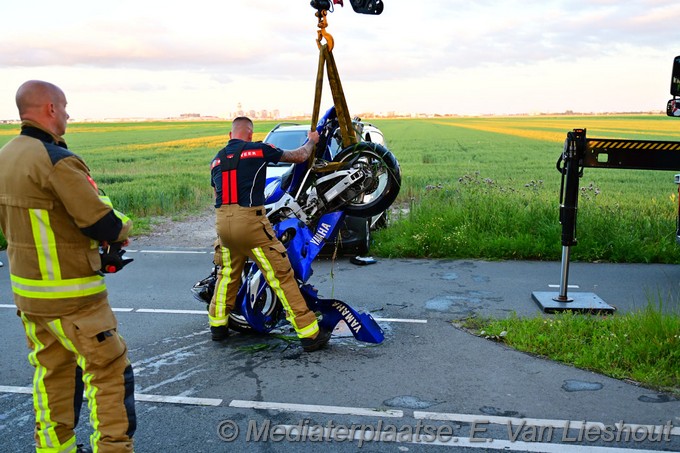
(298, 247)
(362, 325)
(278, 192)
(304, 247)
(326, 228)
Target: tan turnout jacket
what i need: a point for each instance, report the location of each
(53, 218)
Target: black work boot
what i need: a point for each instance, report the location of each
(318, 342)
(83, 449)
(219, 333)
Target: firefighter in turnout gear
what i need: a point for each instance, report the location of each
(238, 174)
(54, 219)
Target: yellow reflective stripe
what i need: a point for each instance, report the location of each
(67, 447)
(268, 271)
(220, 318)
(47, 436)
(121, 216)
(45, 244)
(90, 390)
(58, 289)
(107, 201)
(309, 331)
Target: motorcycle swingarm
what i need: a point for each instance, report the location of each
(350, 177)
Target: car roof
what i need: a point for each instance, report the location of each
(289, 126)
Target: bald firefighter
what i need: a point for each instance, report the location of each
(54, 219)
(238, 174)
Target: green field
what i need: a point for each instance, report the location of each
(472, 187)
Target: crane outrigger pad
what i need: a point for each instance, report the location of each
(589, 303)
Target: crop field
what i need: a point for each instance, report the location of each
(488, 188)
(471, 187)
(152, 168)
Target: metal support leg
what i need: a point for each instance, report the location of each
(551, 302)
(564, 272)
(574, 152)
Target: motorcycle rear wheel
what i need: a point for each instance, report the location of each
(383, 166)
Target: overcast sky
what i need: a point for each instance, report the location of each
(158, 59)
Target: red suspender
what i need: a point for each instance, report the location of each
(229, 163)
(229, 187)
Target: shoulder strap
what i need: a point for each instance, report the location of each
(229, 161)
(228, 166)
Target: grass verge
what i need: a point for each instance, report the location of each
(641, 346)
(478, 217)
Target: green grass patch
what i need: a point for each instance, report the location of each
(477, 217)
(642, 346)
(488, 188)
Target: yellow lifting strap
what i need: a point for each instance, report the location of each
(326, 60)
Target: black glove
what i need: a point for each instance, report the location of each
(113, 257)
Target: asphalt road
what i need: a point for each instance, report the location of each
(458, 391)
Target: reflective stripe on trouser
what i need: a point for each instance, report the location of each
(81, 350)
(244, 234)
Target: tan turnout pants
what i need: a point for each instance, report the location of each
(246, 232)
(72, 353)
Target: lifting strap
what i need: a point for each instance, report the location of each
(326, 60)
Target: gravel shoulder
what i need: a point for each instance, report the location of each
(191, 231)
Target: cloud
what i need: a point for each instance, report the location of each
(264, 38)
(266, 50)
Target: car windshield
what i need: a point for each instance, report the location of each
(287, 140)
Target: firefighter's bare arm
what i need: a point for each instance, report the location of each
(301, 154)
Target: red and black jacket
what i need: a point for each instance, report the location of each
(239, 172)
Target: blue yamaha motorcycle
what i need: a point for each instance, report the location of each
(306, 207)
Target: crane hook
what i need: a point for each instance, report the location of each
(322, 33)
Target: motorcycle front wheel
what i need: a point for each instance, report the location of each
(266, 306)
(384, 176)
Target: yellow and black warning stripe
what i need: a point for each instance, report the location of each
(606, 144)
(632, 154)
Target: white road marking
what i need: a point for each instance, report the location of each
(362, 436)
(138, 397)
(13, 389)
(185, 252)
(204, 312)
(172, 312)
(389, 436)
(178, 400)
(335, 410)
(416, 321)
(467, 418)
